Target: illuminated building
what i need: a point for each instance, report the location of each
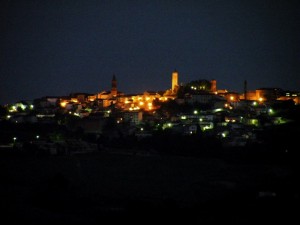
(174, 82)
(213, 87)
(142, 101)
(262, 94)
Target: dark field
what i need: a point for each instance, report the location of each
(146, 188)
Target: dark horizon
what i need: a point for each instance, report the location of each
(54, 48)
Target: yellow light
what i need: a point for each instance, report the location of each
(231, 98)
(141, 103)
(75, 100)
(63, 104)
(260, 99)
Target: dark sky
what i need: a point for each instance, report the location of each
(58, 47)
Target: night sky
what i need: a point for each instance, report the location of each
(58, 47)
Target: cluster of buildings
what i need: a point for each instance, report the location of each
(228, 115)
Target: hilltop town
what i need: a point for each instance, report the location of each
(197, 110)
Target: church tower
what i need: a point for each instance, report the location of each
(213, 86)
(174, 81)
(114, 90)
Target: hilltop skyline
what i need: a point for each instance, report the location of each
(60, 47)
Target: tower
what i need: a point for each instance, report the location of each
(114, 86)
(213, 86)
(174, 81)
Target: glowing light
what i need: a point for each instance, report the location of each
(75, 100)
(218, 110)
(195, 112)
(13, 109)
(271, 111)
(63, 104)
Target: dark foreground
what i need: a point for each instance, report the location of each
(146, 188)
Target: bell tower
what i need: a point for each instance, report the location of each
(114, 90)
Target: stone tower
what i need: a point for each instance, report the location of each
(174, 81)
(114, 90)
